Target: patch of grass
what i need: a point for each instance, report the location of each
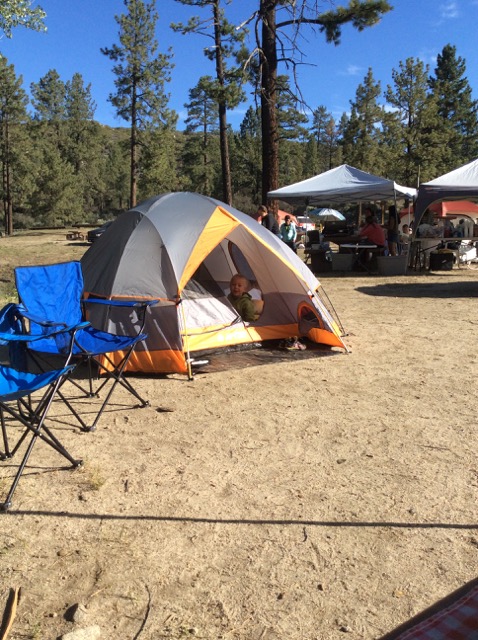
(31, 248)
(92, 479)
(35, 632)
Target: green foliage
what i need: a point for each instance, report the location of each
(360, 14)
(159, 163)
(60, 167)
(323, 150)
(13, 102)
(141, 75)
(361, 134)
(246, 166)
(201, 150)
(456, 107)
(413, 131)
(226, 42)
(56, 199)
(20, 13)
(291, 120)
(226, 88)
(49, 98)
(202, 107)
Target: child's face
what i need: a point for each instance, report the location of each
(238, 287)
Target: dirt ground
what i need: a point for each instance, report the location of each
(307, 498)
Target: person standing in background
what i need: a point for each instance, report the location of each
(288, 233)
(269, 221)
(261, 212)
(393, 230)
(405, 239)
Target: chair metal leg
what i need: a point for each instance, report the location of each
(36, 426)
(116, 376)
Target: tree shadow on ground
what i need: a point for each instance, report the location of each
(423, 290)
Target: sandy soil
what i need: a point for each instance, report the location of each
(303, 499)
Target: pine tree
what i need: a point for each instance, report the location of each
(362, 131)
(59, 188)
(49, 103)
(317, 146)
(141, 75)
(115, 172)
(159, 164)
(331, 148)
(199, 153)
(291, 130)
(13, 115)
(84, 146)
(360, 14)
(226, 42)
(246, 162)
(414, 138)
(456, 106)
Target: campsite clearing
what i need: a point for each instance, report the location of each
(303, 499)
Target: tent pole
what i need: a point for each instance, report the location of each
(186, 343)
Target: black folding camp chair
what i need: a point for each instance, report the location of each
(51, 295)
(20, 407)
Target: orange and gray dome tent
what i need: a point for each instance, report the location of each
(182, 249)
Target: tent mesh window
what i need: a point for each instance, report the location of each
(240, 262)
(202, 284)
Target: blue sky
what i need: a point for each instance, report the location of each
(78, 29)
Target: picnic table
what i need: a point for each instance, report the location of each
(75, 235)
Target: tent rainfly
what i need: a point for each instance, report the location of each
(182, 249)
(339, 186)
(456, 185)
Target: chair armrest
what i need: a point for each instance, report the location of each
(37, 320)
(27, 337)
(120, 303)
(140, 305)
(56, 327)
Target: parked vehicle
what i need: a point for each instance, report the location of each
(94, 234)
(304, 223)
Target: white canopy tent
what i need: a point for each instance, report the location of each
(456, 185)
(342, 185)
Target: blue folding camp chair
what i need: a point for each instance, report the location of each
(18, 408)
(51, 295)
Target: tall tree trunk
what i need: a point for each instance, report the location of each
(224, 143)
(205, 182)
(6, 179)
(4, 200)
(270, 137)
(133, 152)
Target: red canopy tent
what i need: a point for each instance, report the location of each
(283, 214)
(450, 208)
(455, 207)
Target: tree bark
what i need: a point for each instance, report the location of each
(133, 151)
(270, 138)
(6, 176)
(224, 144)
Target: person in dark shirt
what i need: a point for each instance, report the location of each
(269, 221)
(393, 230)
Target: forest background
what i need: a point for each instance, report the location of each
(61, 167)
